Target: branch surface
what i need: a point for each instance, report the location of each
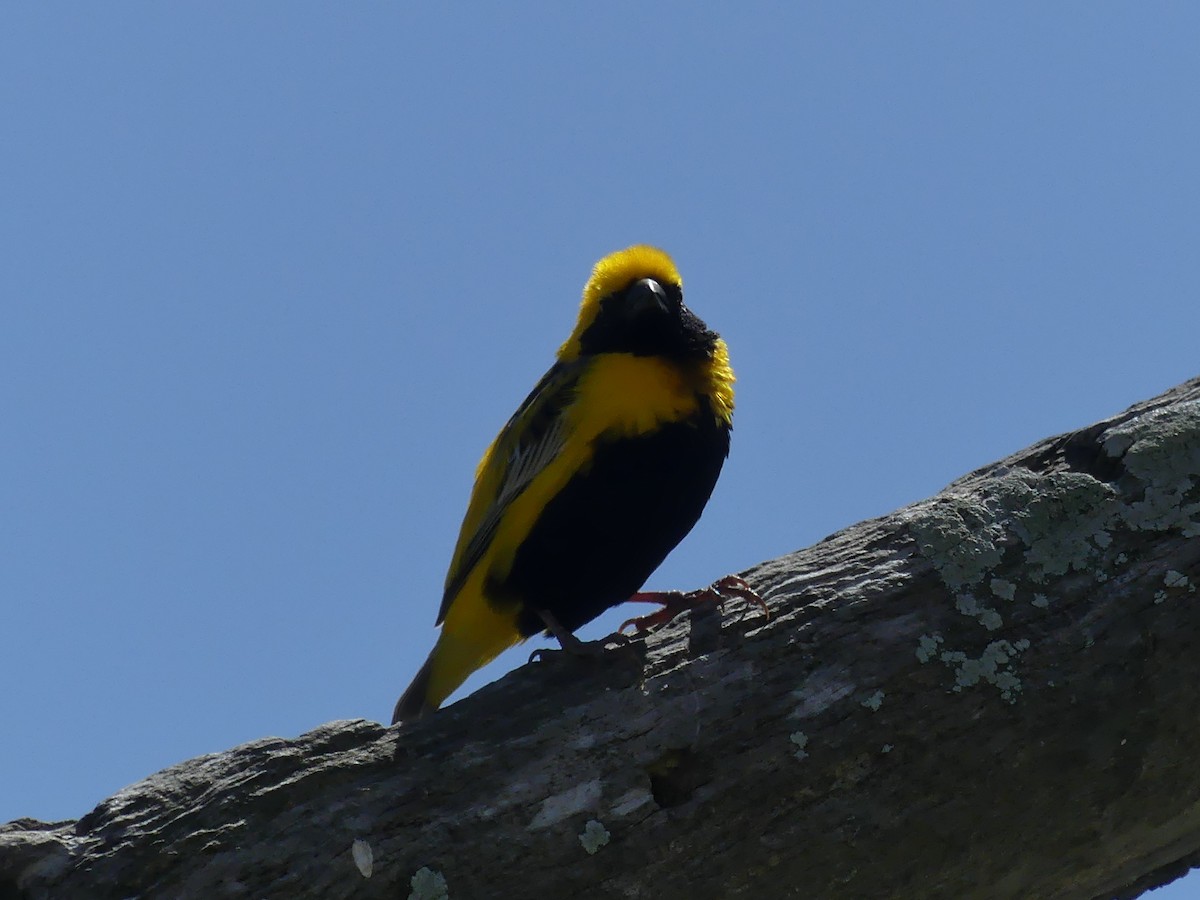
(987, 694)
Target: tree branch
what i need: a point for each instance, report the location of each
(987, 694)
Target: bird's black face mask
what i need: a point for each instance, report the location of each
(648, 318)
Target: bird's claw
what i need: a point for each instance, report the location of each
(676, 602)
(582, 649)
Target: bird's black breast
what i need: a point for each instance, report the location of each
(599, 539)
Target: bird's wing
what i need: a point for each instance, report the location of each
(530, 440)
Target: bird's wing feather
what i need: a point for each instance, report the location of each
(530, 440)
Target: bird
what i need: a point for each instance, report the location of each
(598, 475)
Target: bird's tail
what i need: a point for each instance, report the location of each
(465, 644)
(414, 702)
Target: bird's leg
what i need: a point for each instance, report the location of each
(570, 643)
(675, 602)
(566, 640)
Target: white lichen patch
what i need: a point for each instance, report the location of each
(594, 836)
(1041, 601)
(927, 646)
(800, 739)
(1061, 519)
(363, 857)
(1175, 579)
(886, 748)
(1061, 523)
(1161, 509)
(567, 803)
(428, 885)
(1005, 590)
(969, 606)
(994, 666)
(963, 540)
(1162, 449)
(874, 701)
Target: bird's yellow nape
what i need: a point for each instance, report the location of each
(613, 273)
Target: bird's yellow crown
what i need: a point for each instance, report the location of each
(611, 274)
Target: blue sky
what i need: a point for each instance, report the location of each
(276, 273)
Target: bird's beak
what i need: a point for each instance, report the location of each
(645, 295)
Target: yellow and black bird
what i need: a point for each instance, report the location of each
(602, 470)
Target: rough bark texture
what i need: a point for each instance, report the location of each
(987, 694)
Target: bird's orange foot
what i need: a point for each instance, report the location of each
(675, 602)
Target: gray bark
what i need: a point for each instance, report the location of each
(987, 694)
